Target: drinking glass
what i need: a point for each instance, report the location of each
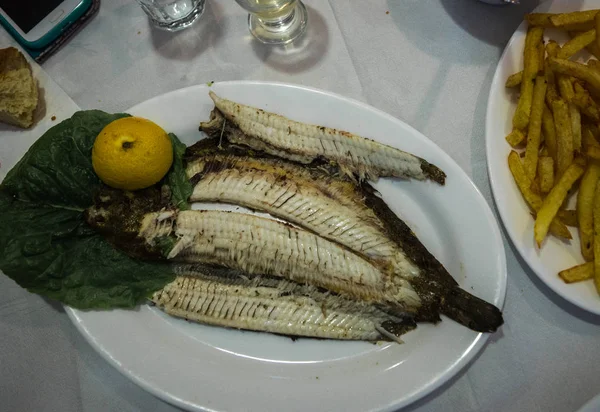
(173, 15)
(276, 21)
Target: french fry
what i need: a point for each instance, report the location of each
(559, 229)
(531, 54)
(597, 238)
(564, 136)
(546, 173)
(565, 88)
(552, 203)
(575, 116)
(549, 132)
(579, 90)
(535, 127)
(587, 106)
(574, 19)
(521, 116)
(542, 55)
(597, 27)
(592, 48)
(523, 182)
(594, 64)
(578, 27)
(535, 187)
(514, 80)
(530, 69)
(590, 111)
(576, 44)
(595, 129)
(593, 152)
(539, 19)
(568, 217)
(578, 273)
(533, 200)
(552, 48)
(567, 92)
(588, 139)
(515, 138)
(551, 90)
(585, 204)
(581, 71)
(567, 21)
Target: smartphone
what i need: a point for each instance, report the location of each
(36, 23)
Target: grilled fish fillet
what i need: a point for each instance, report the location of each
(273, 305)
(259, 245)
(317, 202)
(304, 143)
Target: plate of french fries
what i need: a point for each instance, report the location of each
(543, 146)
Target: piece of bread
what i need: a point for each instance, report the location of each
(18, 89)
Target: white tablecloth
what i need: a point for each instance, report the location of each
(427, 62)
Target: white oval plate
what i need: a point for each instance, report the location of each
(200, 367)
(555, 255)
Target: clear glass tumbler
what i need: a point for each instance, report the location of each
(276, 21)
(173, 15)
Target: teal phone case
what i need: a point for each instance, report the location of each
(52, 34)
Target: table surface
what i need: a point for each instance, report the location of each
(427, 62)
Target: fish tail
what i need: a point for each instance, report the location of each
(433, 172)
(470, 311)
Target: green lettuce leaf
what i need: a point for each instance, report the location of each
(46, 245)
(57, 168)
(51, 251)
(176, 179)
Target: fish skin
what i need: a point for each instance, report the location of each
(355, 155)
(118, 214)
(437, 287)
(273, 305)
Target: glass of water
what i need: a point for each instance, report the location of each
(276, 21)
(173, 15)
